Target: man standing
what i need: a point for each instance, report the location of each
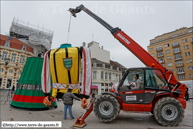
(41, 55)
(68, 102)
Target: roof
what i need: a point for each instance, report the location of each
(14, 43)
(115, 64)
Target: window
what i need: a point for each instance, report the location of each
(13, 57)
(9, 38)
(178, 56)
(191, 38)
(186, 40)
(169, 57)
(151, 49)
(153, 80)
(189, 31)
(176, 50)
(180, 70)
(187, 61)
(22, 59)
(170, 64)
(10, 71)
(182, 40)
(185, 53)
(1, 70)
(130, 77)
(105, 75)
(101, 75)
(189, 53)
(94, 64)
(24, 47)
(4, 55)
(9, 82)
(153, 41)
(152, 54)
(187, 46)
(159, 54)
(7, 44)
(160, 40)
(168, 51)
(109, 76)
(167, 45)
(158, 48)
(184, 47)
(178, 62)
(174, 44)
(192, 67)
(171, 70)
(190, 76)
(0, 82)
(175, 35)
(94, 75)
(20, 73)
(117, 77)
(181, 77)
(189, 68)
(161, 60)
(190, 60)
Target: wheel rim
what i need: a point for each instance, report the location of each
(106, 107)
(169, 112)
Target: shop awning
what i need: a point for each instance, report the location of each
(94, 87)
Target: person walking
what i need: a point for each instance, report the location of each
(68, 102)
(187, 94)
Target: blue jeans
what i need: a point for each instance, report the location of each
(70, 111)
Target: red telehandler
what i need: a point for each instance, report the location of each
(162, 94)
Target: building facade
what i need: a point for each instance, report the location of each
(104, 71)
(17, 53)
(174, 50)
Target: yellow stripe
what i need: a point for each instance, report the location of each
(62, 72)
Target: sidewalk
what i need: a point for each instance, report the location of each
(125, 120)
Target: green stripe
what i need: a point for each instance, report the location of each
(29, 92)
(28, 105)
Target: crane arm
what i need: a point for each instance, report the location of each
(130, 44)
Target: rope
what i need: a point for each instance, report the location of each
(69, 27)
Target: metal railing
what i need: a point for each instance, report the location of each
(17, 21)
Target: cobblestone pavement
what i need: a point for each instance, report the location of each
(125, 120)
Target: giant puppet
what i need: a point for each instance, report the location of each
(63, 66)
(29, 94)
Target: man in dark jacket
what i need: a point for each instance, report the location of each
(68, 102)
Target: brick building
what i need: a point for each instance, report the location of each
(17, 52)
(174, 50)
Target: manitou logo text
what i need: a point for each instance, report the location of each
(123, 38)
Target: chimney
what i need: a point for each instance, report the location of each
(101, 47)
(84, 44)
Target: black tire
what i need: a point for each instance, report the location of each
(168, 111)
(106, 108)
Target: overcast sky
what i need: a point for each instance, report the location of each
(142, 21)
